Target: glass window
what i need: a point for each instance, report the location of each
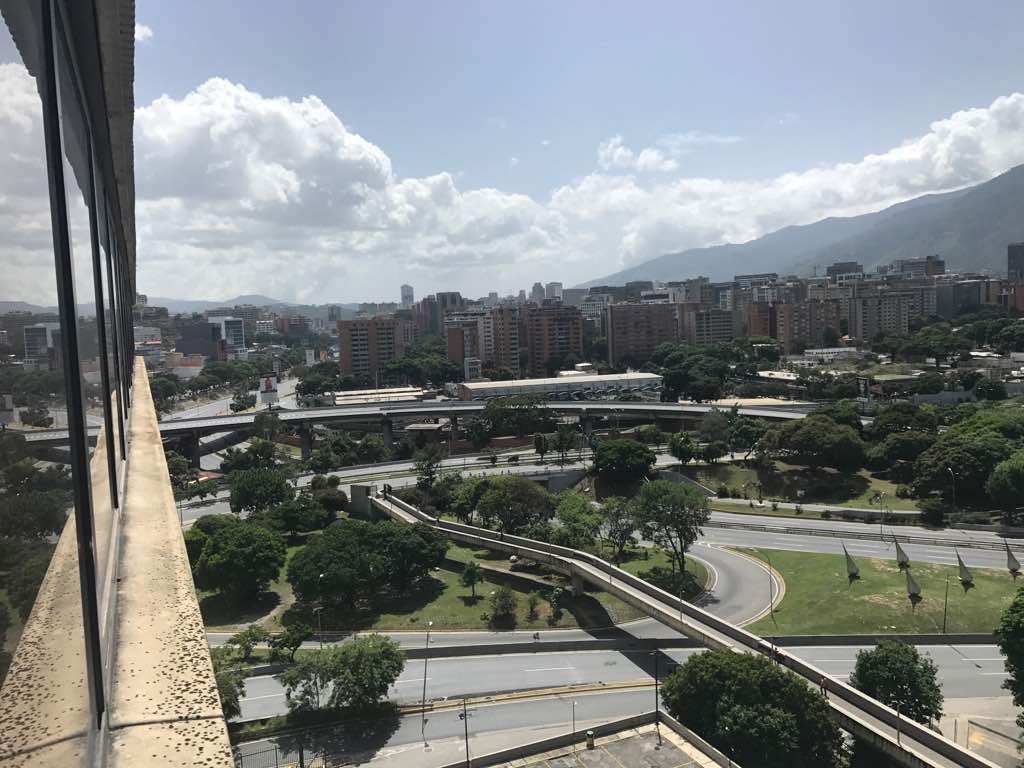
(43, 695)
(78, 188)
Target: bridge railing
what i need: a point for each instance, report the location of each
(701, 620)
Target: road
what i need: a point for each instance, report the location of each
(400, 741)
(964, 671)
(222, 406)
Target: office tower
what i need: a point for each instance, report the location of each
(553, 291)
(844, 271)
(1015, 262)
(636, 330)
(537, 293)
(573, 297)
(408, 299)
(922, 266)
(756, 281)
(37, 343)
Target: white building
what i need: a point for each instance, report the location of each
(585, 387)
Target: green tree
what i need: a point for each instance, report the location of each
(256, 490)
(195, 542)
(671, 515)
(540, 444)
(579, 521)
(681, 446)
(230, 677)
(618, 524)
(370, 664)
(428, 465)
(240, 560)
(247, 640)
(308, 682)
(763, 715)
(514, 502)
(1010, 638)
(565, 440)
(266, 425)
(1005, 486)
(900, 677)
(466, 495)
(622, 458)
(479, 433)
(990, 389)
(504, 605)
(242, 400)
(285, 644)
(472, 574)
(713, 451)
(816, 441)
(300, 515)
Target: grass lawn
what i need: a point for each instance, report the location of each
(787, 482)
(819, 600)
(14, 628)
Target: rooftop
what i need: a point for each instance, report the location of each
(596, 378)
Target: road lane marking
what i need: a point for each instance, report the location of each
(549, 669)
(1003, 674)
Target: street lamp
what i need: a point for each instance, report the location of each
(771, 588)
(657, 705)
(952, 474)
(881, 515)
(423, 698)
(320, 611)
(574, 726)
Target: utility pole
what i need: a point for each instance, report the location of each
(952, 474)
(574, 726)
(423, 699)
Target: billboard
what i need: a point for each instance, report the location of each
(268, 388)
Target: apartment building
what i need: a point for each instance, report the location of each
(636, 330)
(367, 345)
(549, 333)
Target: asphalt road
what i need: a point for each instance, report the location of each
(964, 671)
(401, 742)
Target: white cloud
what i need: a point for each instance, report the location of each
(513, 162)
(142, 33)
(677, 143)
(545, 142)
(238, 193)
(613, 154)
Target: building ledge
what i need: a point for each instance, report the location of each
(165, 709)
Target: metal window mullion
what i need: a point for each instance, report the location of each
(68, 313)
(101, 329)
(117, 308)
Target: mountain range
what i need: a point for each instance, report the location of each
(970, 228)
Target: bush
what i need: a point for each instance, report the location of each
(723, 491)
(240, 559)
(504, 605)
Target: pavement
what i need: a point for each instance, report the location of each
(438, 738)
(965, 671)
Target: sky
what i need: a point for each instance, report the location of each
(330, 151)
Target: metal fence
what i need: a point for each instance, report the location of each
(273, 757)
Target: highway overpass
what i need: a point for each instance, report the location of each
(906, 741)
(384, 416)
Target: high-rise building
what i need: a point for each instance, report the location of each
(707, 326)
(594, 310)
(37, 342)
(922, 266)
(553, 291)
(756, 281)
(366, 345)
(550, 333)
(806, 324)
(1015, 262)
(506, 339)
(537, 293)
(408, 299)
(844, 271)
(201, 338)
(759, 319)
(636, 330)
(573, 297)
(232, 330)
(248, 313)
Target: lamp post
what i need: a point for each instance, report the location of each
(952, 474)
(423, 698)
(771, 588)
(574, 726)
(945, 605)
(320, 611)
(657, 706)
(881, 515)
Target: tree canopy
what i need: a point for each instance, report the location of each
(898, 675)
(514, 503)
(240, 559)
(671, 514)
(622, 458)
(755, 712)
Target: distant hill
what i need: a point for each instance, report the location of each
(970, 228)
(185, 306)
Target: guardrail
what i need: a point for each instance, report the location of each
(698, 626)
(848, 534)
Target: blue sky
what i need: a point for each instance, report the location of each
(518, 98)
